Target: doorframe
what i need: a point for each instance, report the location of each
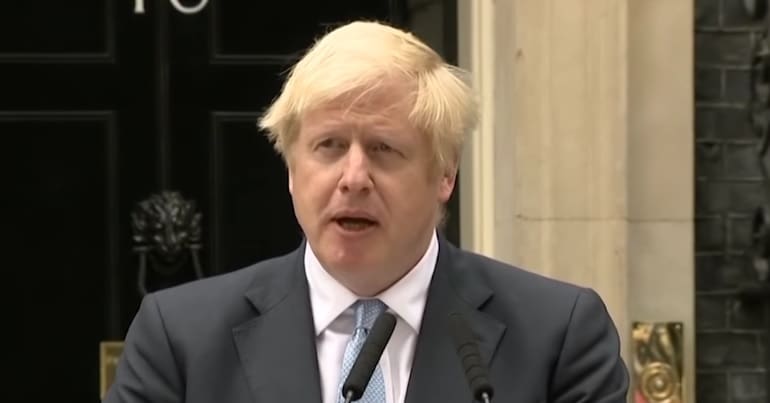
(475, 50)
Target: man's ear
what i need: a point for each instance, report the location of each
(291, 175)
(446, 185)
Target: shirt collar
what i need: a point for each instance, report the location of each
(406, 298)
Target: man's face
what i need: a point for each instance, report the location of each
(364, 188)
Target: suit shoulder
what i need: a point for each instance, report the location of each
(221, 289)
(514, 280)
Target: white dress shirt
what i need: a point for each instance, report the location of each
(334, 321)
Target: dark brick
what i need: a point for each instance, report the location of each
(721, 195)
(745, 197)
(733, 123)
(716, 122)
(710, 399)
(709, 234)
(706, 123)
(743, 315)
(753, 400)
(747, 385)
(706, 13)
(737, 87)
(708, 159)
(737, 270)
(711, 196)
(723, 48)
(707, 274)
(710, 312)
(739, 233)
(728, 188)
(714, 272)
(711, 387)
(741, 161)
(708, 84)
(735, 16)
(723, 349)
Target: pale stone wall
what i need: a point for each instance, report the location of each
(582, 167)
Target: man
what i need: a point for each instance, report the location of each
(371, 124)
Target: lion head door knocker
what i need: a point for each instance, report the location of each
(657, 362)
(167, 236)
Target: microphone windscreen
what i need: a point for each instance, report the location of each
(369, 356)
(470, 357)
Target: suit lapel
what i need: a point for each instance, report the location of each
(437, 375)
(277, 348)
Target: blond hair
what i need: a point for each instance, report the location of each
(358, 57)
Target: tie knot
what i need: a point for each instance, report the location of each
(367, 311)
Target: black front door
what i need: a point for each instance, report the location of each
(104, 103)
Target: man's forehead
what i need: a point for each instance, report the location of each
(375, 100)
(392, 112)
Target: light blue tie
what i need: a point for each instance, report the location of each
(366, 312)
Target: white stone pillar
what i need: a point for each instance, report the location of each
(582, 166)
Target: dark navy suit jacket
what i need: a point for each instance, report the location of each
(247, 337)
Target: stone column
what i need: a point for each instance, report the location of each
(582, 168)
(661, 250)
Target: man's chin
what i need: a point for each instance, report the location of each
(352, 263)
(350, 253)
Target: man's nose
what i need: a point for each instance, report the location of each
(356, 174)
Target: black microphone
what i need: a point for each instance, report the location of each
(468, 351)
(367, 359)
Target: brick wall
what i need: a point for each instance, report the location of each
(730, 333)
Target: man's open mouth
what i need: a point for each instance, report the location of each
(355, 223)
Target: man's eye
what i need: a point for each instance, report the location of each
(382, 147)
(330, 143)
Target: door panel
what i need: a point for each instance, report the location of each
(240, 29)
(55, 30)
(102, 107)
(69, 187)
(252, 217)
